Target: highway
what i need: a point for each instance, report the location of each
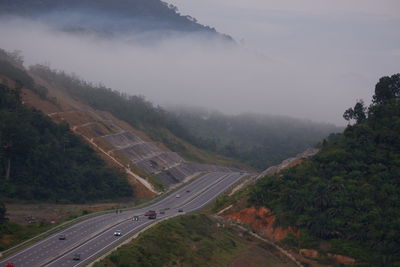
(93, 237)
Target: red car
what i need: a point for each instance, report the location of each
(151, 214)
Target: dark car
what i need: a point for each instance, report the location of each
(62, 237)
(162, 212)
(187, 191)
(180, 210)
(77, 257)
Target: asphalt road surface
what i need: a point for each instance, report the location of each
(93, 237)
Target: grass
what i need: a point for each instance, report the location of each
(12, 233)
(190, 240)
(238, 201)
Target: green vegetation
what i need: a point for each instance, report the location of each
(12, 234)
(257, 140)
(11, 66)
(2, 213)
(349, 193)
(44, 161)
(189, 240)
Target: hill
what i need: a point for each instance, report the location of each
(258, 140)
(45, 161)
(128, 132)
(345, 200)
(109, 18)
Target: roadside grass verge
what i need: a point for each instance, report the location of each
(192, 240)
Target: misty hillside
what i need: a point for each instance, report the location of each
(158, 125)
(107, 17)
(258, 140)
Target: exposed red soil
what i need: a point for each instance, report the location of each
(342, 259)
(309, 253)
(261, 220)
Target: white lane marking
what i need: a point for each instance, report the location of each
(42, 241)
(92, 240)
(219, 192)
(103, 218)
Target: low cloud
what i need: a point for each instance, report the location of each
(192, 70)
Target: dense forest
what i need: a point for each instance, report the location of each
(44, 161)
(258, 140)
(349, 193)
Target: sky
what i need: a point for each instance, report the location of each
(308, 59)
(332, 48)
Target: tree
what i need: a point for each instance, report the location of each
(387, 89)
(357, 113)
(2, 212)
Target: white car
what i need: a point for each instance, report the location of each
(117, 233)
(178, 196)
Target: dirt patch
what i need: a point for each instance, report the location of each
(261, 220)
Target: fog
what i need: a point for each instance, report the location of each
(194, 70)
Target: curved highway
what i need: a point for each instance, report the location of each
(93, 237)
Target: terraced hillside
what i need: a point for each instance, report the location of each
(148, 162)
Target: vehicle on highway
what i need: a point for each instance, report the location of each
(135, 218)
(10, 264)
(94, 236)
(162, 212)
(117, 233)
(178, 196)
(77, 257)
(187, 191)
(151, 214)
(62, 237)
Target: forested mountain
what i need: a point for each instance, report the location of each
(349, 193)
(258, 140)
(107, 17)
(44, 161)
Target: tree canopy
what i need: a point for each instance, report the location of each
(349, 193)
(258, 140)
